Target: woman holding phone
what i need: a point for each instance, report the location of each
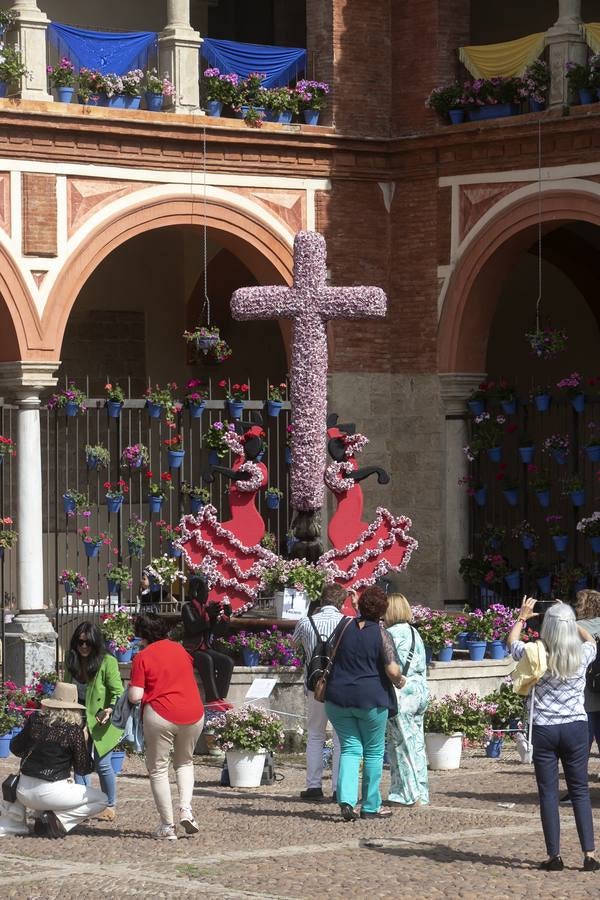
(96, 676)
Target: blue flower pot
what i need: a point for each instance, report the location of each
(64, 94)
(492, 111)
(68, 587)
(311, 116)
(195, 505)
(593, 452)
(559, 456)
(284, 117)
(511, 496)
(250, 657)
(288, 456)
(476, 650)
(272, 501)
(577, 498)
(114, 408)
(133, 102)
(544, 583)
(456, 116)
(543, 497)
(112, 586)
(578, 402)
(476, 407)
(480, 496)
(428, 655)
(527, 542)
(496, 649)
(494, 749)
(274, 408)
(196, 409)
(542, 402)
(586, 95)
(155, 503)
(176, 458)
(114, 504)
(174, 551)
(92, 550)
(235, 408)
(154, 102)
(509, 407)
(561, 542)
(134, 549)
(124, 656)
(117, 101)
(214, 108)
(527, 454)
(513, 580)
(3, 88)
(69, 504)
(213, 458)
(71, 408)
(117, 758)
(5, 740)
(445, 654)
(154, 410)
(92, 462)
(495, 454)
(595, 542)
(536, 106)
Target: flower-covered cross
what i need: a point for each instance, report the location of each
(310, 304)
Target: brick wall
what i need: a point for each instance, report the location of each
(39, 215)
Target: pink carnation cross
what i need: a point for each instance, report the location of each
(310, 304)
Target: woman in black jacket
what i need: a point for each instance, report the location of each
(202, 622)
(51, 744)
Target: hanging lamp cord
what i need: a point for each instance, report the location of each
(206, 304)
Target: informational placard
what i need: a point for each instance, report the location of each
(261, 688)
(295, 604)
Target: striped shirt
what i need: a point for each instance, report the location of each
(325, 620)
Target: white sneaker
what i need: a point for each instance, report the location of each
(165, 833)
(188, 822)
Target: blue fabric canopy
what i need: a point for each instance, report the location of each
(281, 64)
(101, 50)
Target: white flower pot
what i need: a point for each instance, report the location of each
(290, 604)
(443, 750)
(245, 767)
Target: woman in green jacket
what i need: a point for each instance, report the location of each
(99, 686)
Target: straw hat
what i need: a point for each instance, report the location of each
(64, 697)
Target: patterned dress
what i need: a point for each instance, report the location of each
(405, 740)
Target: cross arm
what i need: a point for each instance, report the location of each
(274, 302)
(354, 303)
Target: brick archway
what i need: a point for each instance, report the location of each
(486, 258)
(263, 251)
(21, 335)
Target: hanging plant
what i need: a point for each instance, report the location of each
(203, 337)
(546, 342)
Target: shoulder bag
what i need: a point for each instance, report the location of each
(10, 784)
(525, 745)
(321, 684)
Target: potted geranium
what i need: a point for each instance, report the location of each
(73, 582)
(135, 456)
(275, 398)
(278, 649)
(557, 530)
(273, 496)
(477, 398)
(115, 398)
(9, 722)
(510, 486)
(73, 501)
(136, 535)
(250, 101)
(62, 78)
(8, 535)
(247, 645)
(195, 398)
(117, 630)
(235, 395)
(447, 102)
(220, 352)
(93, 541)
(592, 442)
(526, 533)
(572, 385)
(133, 84)
(117, 577)
(169, 534)
(165, 570)
(70, 398)
(583, 79)
(47, 681)
(558, 446)
(449, 720)
(115, 494)
(175, 451)
(313, 98)
(506, 394)
(156, 88)
(220, 90)
(526, 448)
(90, 86)
(159, 399)
(97, 456)
(590, 527)
(214, 440)
(492, 536)
(247, 734)
(546, 342)
(536, 84)
(487, 435)
(573, 486)
(281, 103)
(438, 632)
(509, 706)
(7, 448)
(12, 68)
(492, 98)
(199, 496)
(540, 482)
(157, 492)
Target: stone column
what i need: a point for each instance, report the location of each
(565, 43)
(455, 388)
(30, 637)
(179, 56)
(30, 30)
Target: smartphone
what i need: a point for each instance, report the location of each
(100, 716)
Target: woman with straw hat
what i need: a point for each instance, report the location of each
(51, 744)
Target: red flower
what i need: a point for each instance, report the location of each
(165, 476)
(107, 485)
(223, 383)
(244, 387)
(148, 473)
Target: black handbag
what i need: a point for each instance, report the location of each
(9, 788)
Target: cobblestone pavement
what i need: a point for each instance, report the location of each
(480, 837)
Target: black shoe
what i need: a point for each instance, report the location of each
(347, 811)
(565, 799)
(590, 864)
(53, 824)
(554, 864)
(40, 827)
(312, 794)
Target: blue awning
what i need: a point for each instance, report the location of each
(105, 51)
(280, 64)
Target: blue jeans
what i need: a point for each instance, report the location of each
(108, 779)
(362, 736)
(569, 743)
(594, 728)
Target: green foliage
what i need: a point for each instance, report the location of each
(248, 728)
(463, 713)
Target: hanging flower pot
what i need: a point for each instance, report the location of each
(114, 408)
(512, 496)
(273, 500)
(274, 408)
(559, 457)
(561, 542)
(496, 649)
(592, 451)
(495, 454)
(71, 408)
(206, 342)
(527, 542)
(114, 504)
(196, 409)
(176, 458)
(155, 503)
(527, 454)
(445, 654)
(509, 407)
(213, 458)
(112, 587)
(480, 496)
(543, 497)
(235, 408)
(92, 548)
(174, 551)
(134, 549)
(476, 407)
(196, 505)
(69, 503)
(92, 462)
(154, 409)
(513, 580)
(544, 583)
(578, 402)
(577, 498)
(542, 402)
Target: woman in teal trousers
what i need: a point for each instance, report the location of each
(99, 686)
(405, 738)
(358, 702)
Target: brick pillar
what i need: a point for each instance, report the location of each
(565, 43)
(178, 47)
(30, 29)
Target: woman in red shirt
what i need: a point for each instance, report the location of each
(162, 677)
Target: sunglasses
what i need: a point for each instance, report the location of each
(84, 643)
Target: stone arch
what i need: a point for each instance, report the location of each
(254, 235)
(21, 335)
(485, 256)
